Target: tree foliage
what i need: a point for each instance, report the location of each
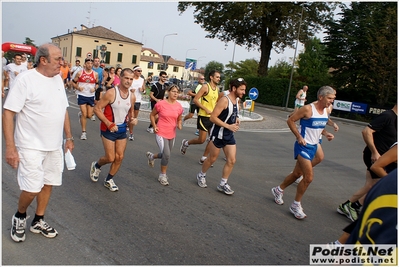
(29, 41)
(362, 47)
(260, 25)
(244, 68)
(312, 65)
(281, 70)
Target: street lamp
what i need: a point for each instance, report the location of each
(188, 70)
(293, 61)
(163, 41)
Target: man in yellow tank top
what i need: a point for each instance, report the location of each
(205, 100)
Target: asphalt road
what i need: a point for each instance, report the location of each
(145, 223)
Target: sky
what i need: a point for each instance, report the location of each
(147, 22)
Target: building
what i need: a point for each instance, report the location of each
(114, 48)
(151, 62)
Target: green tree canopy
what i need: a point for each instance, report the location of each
(29, 41)
(245, 68)
(282, 69)
(260, 25)
(362, 48)
(312, 65)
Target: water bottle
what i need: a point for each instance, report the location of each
(69, 160)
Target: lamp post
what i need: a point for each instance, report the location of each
(163, 42)
(188, 70)
(293, 61)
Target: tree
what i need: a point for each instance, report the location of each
(260, 25)
(281, 69)
(312, 65)
(244, 68)
(362, 50)
(29, 41)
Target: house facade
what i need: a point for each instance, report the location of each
(115, 50)
(118, 50)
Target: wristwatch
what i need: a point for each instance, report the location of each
(70, 138)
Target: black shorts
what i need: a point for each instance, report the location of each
(98, 93)
(137, 106)
(204, 123)
(193, 108)
(367, 161)
(220, 143)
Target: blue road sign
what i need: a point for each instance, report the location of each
(253, 93)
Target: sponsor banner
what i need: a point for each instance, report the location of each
(385, 255)
(342, 105)
(359, 108)
(376, 110)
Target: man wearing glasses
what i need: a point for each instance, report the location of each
(157, 94)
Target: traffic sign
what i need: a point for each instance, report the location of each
(253, 93)
(191, 64)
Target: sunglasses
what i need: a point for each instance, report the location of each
(139, 70)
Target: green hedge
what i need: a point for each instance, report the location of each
(274, 91)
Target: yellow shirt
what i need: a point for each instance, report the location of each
(209, 101)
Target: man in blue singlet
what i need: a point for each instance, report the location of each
(313, 119)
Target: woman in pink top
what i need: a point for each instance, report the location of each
(169, 117)
(117, 77)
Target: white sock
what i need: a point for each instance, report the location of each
(297, 203)
(223, 181)
(279, 189)
(203, 158)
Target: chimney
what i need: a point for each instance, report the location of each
(74, 29)
(83, 27)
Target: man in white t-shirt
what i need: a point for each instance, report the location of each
(34, 145)
(13, 69)
(75, 69)
(138, 88)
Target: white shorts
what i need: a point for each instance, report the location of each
(38, 168)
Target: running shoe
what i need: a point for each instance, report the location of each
(131, 137)
(83, 136)
(150, 130)
(202, 162)
(196, 132)
(183, 146)
(225, 188)
(110, 184)
(297, 211)
(150, 158)
(18, 228)
(297, 181)
(93, 118)
(278, 196)
(41, 227)
(201, 180)
(347, 210)
(94, 172)
(163, 179)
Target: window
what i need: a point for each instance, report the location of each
(120, 44)
(150, 65)
(107, 57)
(159, 66)
(134, 59)
(175, 69)
(95, 53)
(108, 42)
(96, 41)
(119, 59)
(78, 51)
(64, 52)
